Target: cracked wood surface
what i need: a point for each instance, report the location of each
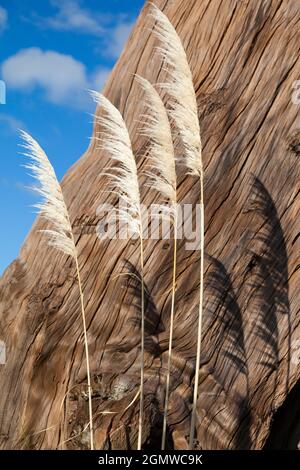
(244, 56)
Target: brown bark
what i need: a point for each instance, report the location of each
(244, 56)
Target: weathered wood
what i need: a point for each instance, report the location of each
(244, 56)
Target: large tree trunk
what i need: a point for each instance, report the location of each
(244, 56)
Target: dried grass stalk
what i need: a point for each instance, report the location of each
(116, 142)
(184, 112)
(162, 174)
(53, 208)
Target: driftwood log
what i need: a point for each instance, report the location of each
(244, 56)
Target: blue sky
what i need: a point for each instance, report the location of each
(51, 51)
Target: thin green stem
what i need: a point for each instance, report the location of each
(201, 295)
(164, 433)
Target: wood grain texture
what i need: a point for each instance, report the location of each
(244, 56)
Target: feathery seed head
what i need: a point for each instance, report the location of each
(124, 179)
(53, 207)
(157, 128)
(181, 90)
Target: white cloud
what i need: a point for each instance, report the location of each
(63, 79)
(58, 74)
(3, 19)
(112, 30)
(71, 17)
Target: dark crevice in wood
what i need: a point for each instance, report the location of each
(285, 427)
